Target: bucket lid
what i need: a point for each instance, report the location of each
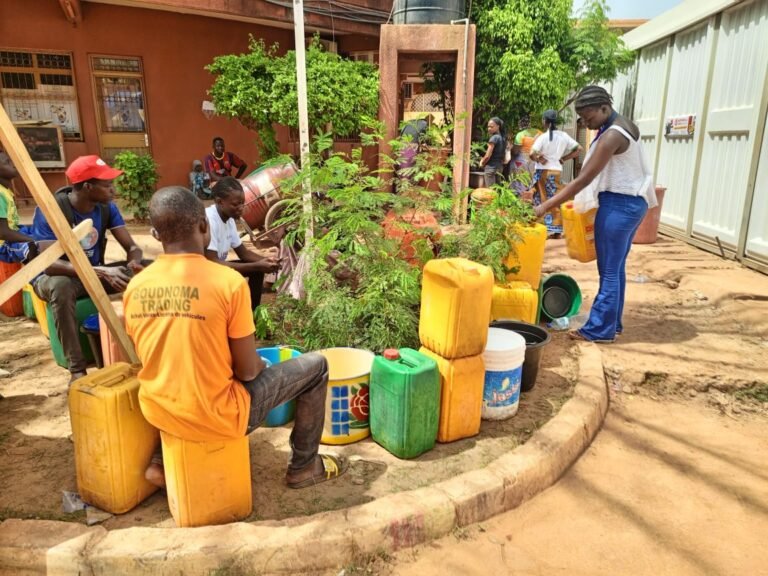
(500, 340)
(556, 301)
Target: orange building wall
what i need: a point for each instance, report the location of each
(174, 49)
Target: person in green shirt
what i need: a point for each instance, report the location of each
(15, 244)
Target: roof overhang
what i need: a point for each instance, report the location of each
(682, 16)
(261, 12)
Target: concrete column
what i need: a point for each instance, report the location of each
(425, 39)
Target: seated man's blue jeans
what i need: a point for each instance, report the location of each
(616, 222)
(304, 378)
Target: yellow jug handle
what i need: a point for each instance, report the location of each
(109, 380)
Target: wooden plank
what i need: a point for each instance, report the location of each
(58, 222)
(16, 282)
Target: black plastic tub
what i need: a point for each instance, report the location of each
(535, 340)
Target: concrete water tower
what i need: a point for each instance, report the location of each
(429, 31)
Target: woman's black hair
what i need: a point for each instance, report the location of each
(500, 123)
(593, 96)
(551, 117)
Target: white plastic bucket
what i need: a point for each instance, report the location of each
(503, 356)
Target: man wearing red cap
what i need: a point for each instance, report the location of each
(89, 197)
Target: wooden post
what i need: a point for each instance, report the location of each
(16, 282)
(66, 237)
(301, 88)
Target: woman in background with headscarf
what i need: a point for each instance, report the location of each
(521, 166)
(524, 140)
(493, 161)
(549, 151)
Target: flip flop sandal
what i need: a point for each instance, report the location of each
(333, 467)
(576, 335)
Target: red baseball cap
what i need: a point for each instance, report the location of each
(87, 167)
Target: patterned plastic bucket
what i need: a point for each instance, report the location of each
(346, 408)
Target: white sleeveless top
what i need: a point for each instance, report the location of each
(626, 173)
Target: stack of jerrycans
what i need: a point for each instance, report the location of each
(453, 328)
(113, 441)
(405, 402)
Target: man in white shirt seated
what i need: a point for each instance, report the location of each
(222, 215)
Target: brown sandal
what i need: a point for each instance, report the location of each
(333, 467)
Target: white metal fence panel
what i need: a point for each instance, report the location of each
(651, 75)
(685, 96)
(737, 87)
(623, 91)
(757, 234)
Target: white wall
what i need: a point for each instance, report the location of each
(738, 80)
(717, 69)
(685, 96)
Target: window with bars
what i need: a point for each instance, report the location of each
(40, 86)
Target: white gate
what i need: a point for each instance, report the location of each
(651, 79)
(757, 235)
(734, 111)
(685, 96)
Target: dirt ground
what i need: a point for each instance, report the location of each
(676, 482)
(36, 455)
(668, 488)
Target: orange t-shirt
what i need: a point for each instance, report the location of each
(180, 312)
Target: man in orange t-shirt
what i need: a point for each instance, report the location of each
(202, 379)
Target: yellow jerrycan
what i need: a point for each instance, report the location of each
(455, 307)
(113, 441)
(579, 232)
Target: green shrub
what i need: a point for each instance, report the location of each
(137, 184)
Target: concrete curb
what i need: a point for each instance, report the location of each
(325, 540)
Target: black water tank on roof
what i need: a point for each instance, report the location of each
(428, 11)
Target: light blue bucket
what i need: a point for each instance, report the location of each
(284, 413)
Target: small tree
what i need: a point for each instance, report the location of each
(137, 184)
(531, 55)
(259, 89)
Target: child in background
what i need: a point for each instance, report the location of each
(15, 244)
(200, 181)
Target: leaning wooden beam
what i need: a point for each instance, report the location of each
(58, 222)
(16, 282)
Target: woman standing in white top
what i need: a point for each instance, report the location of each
(549, 151)
(616, 173)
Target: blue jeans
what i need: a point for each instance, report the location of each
(304, 378)
(616, 222)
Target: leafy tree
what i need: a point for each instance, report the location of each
(259, 89)
(531, 55)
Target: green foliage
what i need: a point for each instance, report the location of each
(263, 322)
(531, 55)
(597, 53)
(259, 89)
(137, 184)
(758, 391)
(440, 77)
(493, 232)
(359, 289)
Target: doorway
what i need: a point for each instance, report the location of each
(120, 102)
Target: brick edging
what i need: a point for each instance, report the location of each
(329, 539)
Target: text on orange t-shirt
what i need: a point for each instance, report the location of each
(180, 313)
